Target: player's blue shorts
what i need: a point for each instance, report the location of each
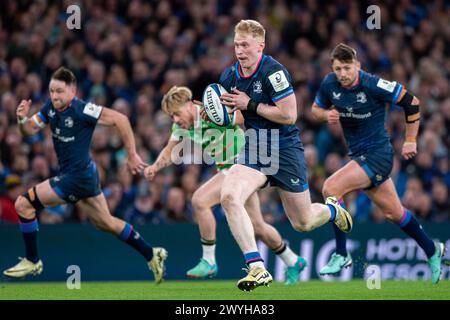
(74, 187)
(287, 170)
(377, 163)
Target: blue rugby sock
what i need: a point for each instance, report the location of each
(252, 257)
(333, 212)
(412, 228)
(30, 228)
(340, 236)
(341, 241)
(133, 238)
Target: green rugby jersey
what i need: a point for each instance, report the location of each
(222, 144)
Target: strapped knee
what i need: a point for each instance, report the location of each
(33, 199)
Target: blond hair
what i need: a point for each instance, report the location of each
(252, 27)
(175, 98)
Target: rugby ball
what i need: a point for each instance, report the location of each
(216, 111)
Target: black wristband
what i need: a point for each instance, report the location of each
(252, 105)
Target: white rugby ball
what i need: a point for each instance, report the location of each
(216, 111)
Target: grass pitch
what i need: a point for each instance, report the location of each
(224, 290)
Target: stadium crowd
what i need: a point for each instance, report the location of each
(127, 54)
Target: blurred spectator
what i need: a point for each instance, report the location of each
(440, 210)
(14, 189)
(175, 207)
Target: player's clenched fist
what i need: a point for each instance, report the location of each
(333, 116)
(150, 172)
(409, 150)
(23, 109)
(135, 164)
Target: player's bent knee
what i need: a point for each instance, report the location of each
(198, 203)
(228, 200)
(21, 204)
(24, 207)
(302, 227)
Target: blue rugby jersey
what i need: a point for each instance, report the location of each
(362, 108)
(269, 83)
(72, 131)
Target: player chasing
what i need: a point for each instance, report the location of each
(359, 100)
(223, 147)
(72, 122)
(261, 88)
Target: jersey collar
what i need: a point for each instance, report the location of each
(239, 73)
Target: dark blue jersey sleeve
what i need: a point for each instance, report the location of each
(41, 118)
(322, 98)
(278, 84)
(90, 113)
(387, 91)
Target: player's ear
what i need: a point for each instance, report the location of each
(262, 45)
(358, 65)
(73, 89)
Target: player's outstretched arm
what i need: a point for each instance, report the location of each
(164, 160)
(111, 117)
(27, 126)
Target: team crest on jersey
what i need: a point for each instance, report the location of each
(361, 97)
(257, 86)
(336, 96)
(349, 109)
(51, 113)
(68, 122)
